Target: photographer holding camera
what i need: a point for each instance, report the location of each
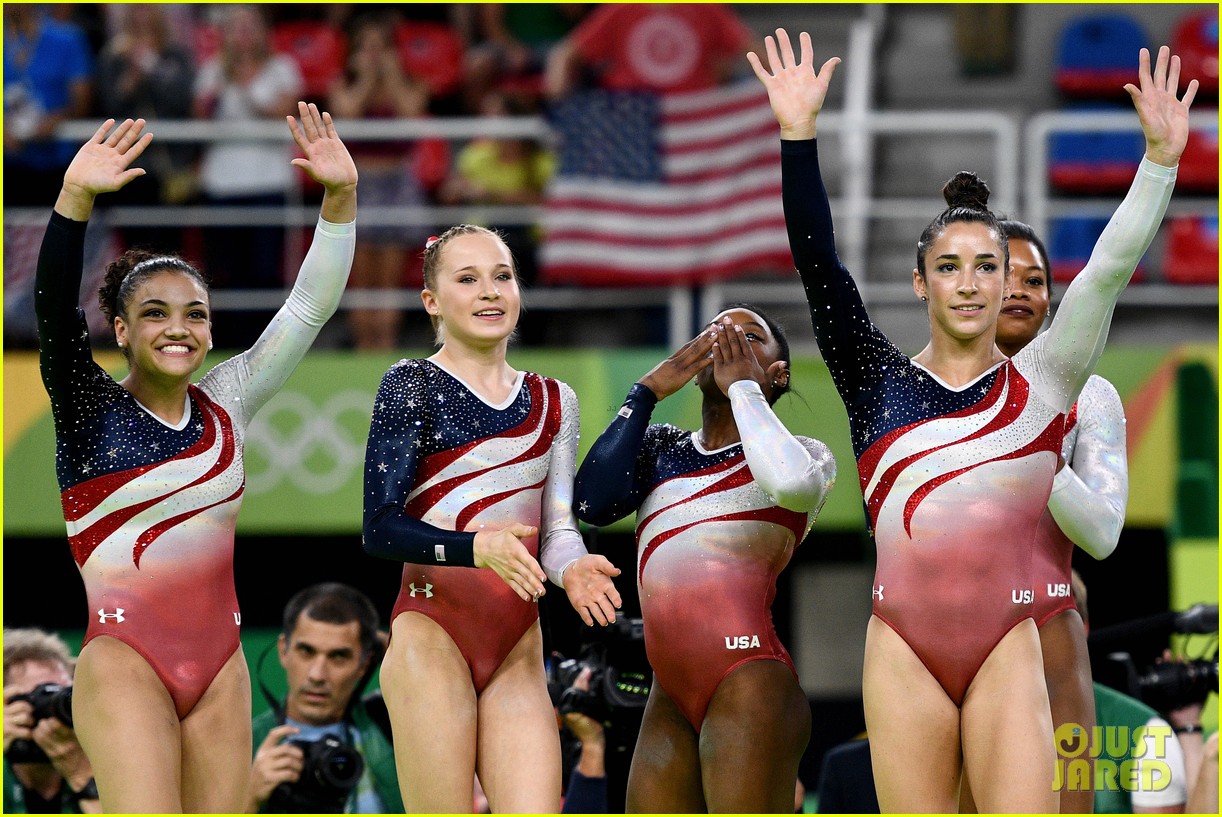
(45, 768)
(321, 751)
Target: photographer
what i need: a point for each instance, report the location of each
(321, 752)
(45, 768)
(587, 789)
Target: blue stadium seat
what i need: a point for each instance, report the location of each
(1097, 55)
(1070, 244)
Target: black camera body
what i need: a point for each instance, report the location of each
(616, 683)
(48, 701)
(1173, 684)
(330, 772)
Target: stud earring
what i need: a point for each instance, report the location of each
(923, 298)
(209, 343)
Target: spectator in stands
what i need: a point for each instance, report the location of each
(328, 647)
(45, 768)
(143, 72)
(246, 82)
(375, 86)
(664, 47)
(48, 79)
(511, 45)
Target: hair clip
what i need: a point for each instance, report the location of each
(432, 240)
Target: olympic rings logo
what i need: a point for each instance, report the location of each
(318, 449)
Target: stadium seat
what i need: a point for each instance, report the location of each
(1191, 255)
(1195, 40)
(1070, 245)
(431, 52)
(319, 49)
(1097, 55)
(1198, 171)
(1094, 163)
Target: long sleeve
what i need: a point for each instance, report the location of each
(1059, 361)
(795, 477)
(1090, 493)
(259, 372)
(63, 338)
(397, 427)
(855, 350)
(560, 542)
(608, 485)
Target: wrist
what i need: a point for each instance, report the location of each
(801, 130)
(1165, 158)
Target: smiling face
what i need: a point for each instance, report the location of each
(166, 327)
(1026, 307)
(964, 281)
(474, 291)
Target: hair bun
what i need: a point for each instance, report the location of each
(966, 189)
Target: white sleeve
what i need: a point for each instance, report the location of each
(796, 477)
(1161, 793)
(1090, 493)
(560, 543)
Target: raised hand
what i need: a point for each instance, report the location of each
(669, 376)
(795, 91)
(734, 359)
(588, 584)
(504, 553)
(326, 159)
(1164, 118)
(102, 165)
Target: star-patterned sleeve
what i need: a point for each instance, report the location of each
(796, 473)
(1059, 361)
(560, 542)
(252, 377)
(1090, 493)
(64, 354)
(855, 350)
(609, 482)
(391, 456)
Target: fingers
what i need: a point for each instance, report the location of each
(99, 136)
(1160, 67)
(828, 69)
(1173, 75)
(807, 50)
(760, 72)
(774, 59)
(329, 125)
(786, 47)
(1190, 94)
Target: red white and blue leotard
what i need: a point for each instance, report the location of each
(442, 463)
(714, 529)
(151, 508)
(1088, 498)
(956, 479)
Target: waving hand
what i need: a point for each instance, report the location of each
(795, 90)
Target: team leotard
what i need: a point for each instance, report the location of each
(714, 529)
(955, 479)
(441, 464)
(151, 508)
(1088, 496)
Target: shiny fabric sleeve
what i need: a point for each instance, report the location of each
(854, 349)
(796, 477)
(1059, 361)
(389, 531)
(560, 543)
(64, 355)
(259, 372)
(608, 485)
(1090, 493)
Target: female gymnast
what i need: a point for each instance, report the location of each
(151, 473)
(719, 513)
(957, 449)
(470, 464)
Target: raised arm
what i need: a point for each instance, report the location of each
(1090, 493)
(794, 477)
(1066, 354)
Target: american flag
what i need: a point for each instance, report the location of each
(665, 189)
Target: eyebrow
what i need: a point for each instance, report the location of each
(159, 302)
(472, 268)
(955, 257)
(759, 326)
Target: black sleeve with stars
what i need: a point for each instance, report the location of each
(395, 433)
(857, 353)
(63, 337)
(609, 483)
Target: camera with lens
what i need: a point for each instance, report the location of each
(47, 701)
(1173, 684)
(619, 676)
(330, 771)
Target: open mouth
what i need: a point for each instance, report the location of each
(490, 313)
(1018, 311)
(175, 349)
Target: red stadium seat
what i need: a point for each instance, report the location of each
(432, 53)
(1191, 255)
(1199, 165)
(319, 49)
(1195, 40)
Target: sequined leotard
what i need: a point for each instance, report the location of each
(1088, 496)
(441, 464)
(150, 507)
(956, 479)
(714, 529)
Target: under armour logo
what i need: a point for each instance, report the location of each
(877, 592)
(427, 590)
(117, 615)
